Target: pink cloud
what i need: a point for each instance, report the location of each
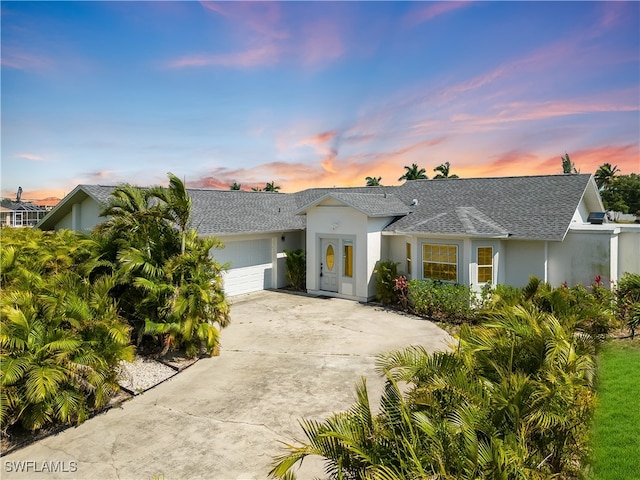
(431, 11)
(265, 55)
(321, 42)
(30, 156)
(28, 62)
(261, 18)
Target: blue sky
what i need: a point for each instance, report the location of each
(311, 94)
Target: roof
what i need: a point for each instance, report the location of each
(526, 208)
(227, 212)
(99, 193)
(22, 206)
(371, 204)
(532, 208)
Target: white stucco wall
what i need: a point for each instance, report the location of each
(523, 259)
(336, 221)
(579, 258)
(629, 251)
(83, 217)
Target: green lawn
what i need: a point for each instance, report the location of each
(616, 426)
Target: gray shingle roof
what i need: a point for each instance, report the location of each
(371, 204)
(219, 212)
(535, 208)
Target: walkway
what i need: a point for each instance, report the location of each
(284, 357)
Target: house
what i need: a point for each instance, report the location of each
(21, 214)
(472, 231)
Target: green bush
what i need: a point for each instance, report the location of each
(296, 262)
(61, 337)
(628, 301)
(450, 302)
(386, 274)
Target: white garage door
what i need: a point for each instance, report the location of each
(250, 265)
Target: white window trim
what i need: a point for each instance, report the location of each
(478, 264)
(457, 247)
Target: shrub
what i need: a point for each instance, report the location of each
(628, 301)
(386, 274)
(442, 301)
(296, 262)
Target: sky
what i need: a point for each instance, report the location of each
(312, 94)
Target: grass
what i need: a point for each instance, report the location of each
(616, 423)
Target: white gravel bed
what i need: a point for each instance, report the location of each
(142, 374)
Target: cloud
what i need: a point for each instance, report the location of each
(25, 61)
(29, 195)
(263, 38)
(321, 42)
(265, 55)
(100, 175)
(259, 19)
(426, 13)
(31, 156)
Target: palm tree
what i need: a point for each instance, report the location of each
(256, 189)
(373, 181)
(61, 337)
(176, 205)
(444, 171)
(235, 186)
(271, 187)
(414, 173)
(567, 165)
(605, 174)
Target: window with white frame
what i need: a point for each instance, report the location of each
(440, 262)
(485, 264)
(347, 260)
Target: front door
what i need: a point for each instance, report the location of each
(329, 266)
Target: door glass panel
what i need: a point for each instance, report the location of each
(330, 257)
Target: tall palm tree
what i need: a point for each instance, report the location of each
(235, 186)
(176, 205)
(605, 174)
(373, 181)
(567, 165)
(414, 173)
(271, 187)
(444, 171)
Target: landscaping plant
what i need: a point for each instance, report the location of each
(168, 285)
(512, 401)
(296, 262)
(386, 273)
(61, 336)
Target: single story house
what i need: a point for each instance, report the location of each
(21, 214)
(472, 231)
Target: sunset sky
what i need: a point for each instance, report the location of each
(313, 94)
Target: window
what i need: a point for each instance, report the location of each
(330, 257)
(348, 259)
(485, 264)
(440, 262)
(408, 258)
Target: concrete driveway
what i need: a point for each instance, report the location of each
(283, 357)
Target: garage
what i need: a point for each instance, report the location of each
(250, 265)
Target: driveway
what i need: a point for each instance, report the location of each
(283, 357)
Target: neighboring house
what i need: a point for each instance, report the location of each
(471, 231)
(21, 214)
